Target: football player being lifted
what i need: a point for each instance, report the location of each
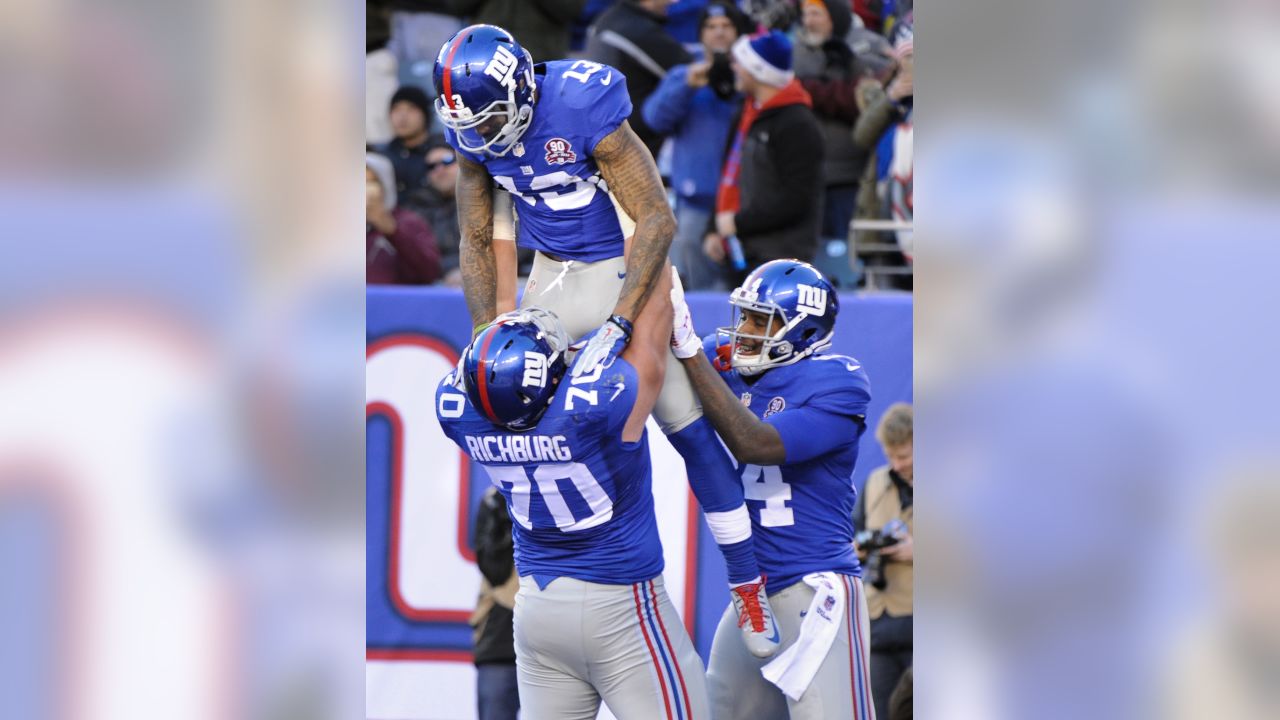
(588, 198)
(793, 418)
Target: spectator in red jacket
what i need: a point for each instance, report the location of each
(399, 246)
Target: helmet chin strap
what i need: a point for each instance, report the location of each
(514, 128)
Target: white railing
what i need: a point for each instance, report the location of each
(876, 273)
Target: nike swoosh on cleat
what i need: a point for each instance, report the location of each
(622, 275)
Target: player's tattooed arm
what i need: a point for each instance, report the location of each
(476, 257)
(632, 177)
(750, 439)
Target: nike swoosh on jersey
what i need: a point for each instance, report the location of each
(620, 387)
(605, 80)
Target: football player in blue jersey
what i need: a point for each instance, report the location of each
(570, 455)
(589, 200)
(792, 417)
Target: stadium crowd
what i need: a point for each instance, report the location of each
(815, 133)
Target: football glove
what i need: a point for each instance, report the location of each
(685, 342)
(607, 343)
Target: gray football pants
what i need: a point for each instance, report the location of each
(578, 643)
(583, 295)
(840, 691)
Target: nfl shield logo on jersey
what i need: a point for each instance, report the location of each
(776, 406)
(560, 152)
(746, 399)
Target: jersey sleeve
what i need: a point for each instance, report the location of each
(832, 417)
(602, 101)
(618, 387)
(451, 405)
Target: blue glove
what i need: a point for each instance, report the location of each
(604, 346)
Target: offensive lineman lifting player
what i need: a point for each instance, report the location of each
(592, 618)
(555, 137)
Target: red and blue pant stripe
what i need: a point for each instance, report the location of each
(675, 696)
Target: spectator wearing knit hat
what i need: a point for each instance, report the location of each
(400, 248)
(410, 113)
(695, 106)
(770, 191)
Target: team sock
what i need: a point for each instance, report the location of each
(715, 484)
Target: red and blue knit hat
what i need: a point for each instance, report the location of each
(766, 56)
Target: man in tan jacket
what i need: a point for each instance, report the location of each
(886, 497)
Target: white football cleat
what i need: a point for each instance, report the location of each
(755, 619)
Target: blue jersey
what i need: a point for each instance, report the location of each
(580, 497)
(802, 510)
(561, 200)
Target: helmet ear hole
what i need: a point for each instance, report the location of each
(809, 333)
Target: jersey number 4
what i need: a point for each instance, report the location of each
(546, 477)
(766, 484)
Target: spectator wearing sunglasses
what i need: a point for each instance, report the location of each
(434, 201)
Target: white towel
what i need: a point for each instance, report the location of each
(793, 670)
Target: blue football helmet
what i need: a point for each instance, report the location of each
(801, 301)
(511, 369)
(484, 89)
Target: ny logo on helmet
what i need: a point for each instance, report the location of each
(502, 67)
(811, 300)
(535, 369)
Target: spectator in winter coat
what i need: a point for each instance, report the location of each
(825, 65)
(695, 105)
(630, 37)
(884, 127)
(399, 246)
(436, 204)
(410, 114)
(770, 189)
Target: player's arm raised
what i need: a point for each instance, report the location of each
(749, 439)
(647, 353)
(633, 178)
(476, 257)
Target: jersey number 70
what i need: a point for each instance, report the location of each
(545, 477)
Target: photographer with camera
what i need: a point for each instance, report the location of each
(884, 519)
(695, 105)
